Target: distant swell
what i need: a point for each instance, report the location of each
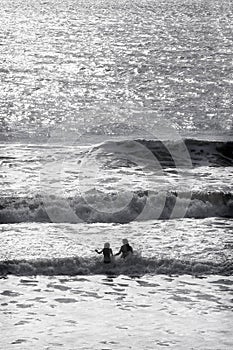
(210, 153)
(188, 152)
(134, 266)
(142, 206)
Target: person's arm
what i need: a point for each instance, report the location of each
(120, 251)
(99, 252)
(111, 252)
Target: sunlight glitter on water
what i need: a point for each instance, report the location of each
(63, 61)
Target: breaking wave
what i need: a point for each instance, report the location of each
(135, 266)
(142, 206)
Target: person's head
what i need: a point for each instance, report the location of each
(125, 241)
(106, 245)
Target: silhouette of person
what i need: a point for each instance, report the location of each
(125, 249)
(107, 252)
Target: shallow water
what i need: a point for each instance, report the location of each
(184, 246)
(208, 239)
(107, 312)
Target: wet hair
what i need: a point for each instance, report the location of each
(125, 241)
(107, 245)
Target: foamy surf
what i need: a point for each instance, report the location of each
(143, 205)
(134, 266)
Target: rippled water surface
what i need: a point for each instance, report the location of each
(103, 63)
(110, 313)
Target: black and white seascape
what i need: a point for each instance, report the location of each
(116, 123)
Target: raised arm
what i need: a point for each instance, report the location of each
(99, 252)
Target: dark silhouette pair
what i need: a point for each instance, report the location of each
(125, 251)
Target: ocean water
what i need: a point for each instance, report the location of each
(116, 122)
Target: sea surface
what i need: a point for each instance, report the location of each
(116, 122)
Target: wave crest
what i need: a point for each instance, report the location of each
(173, 153)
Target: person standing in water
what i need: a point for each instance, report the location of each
(107, 252)
(125, 249)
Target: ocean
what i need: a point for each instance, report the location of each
(116, 123)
